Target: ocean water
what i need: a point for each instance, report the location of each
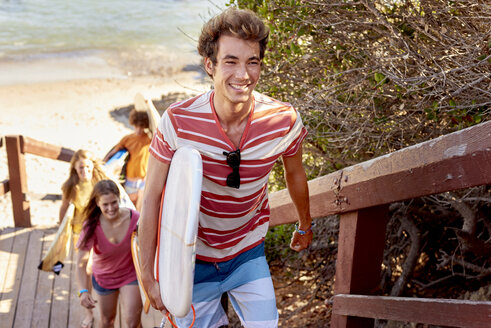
(137, 36)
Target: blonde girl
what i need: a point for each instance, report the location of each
(85, 171)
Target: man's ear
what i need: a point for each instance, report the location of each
(208, 66)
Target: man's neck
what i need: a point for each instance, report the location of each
(233, 119)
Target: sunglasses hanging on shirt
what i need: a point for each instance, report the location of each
(233, 160)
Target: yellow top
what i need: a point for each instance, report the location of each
(82, 194)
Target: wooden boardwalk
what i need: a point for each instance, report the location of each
(33, 298)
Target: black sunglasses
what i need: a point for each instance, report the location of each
(233, 160)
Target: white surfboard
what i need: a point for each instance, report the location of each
(145, 104)
(179, 214)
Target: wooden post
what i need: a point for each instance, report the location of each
(360, 253)
(18, 181)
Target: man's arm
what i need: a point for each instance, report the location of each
(296, 181)
(148, 227)
(113, 151)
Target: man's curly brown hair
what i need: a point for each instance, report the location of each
(240, 23)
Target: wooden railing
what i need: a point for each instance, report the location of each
(361, 194)
(4, 185)
(17, 146)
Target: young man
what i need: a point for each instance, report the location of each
(240, 135)
(137, 144)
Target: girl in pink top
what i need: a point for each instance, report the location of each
(107, 230)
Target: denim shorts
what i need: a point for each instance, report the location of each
(105, 291)
(246, 280)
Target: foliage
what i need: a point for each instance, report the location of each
(439, 239)
(277, 242)
(371, 77)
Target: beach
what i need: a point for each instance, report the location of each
(76, 104)
(69, 72)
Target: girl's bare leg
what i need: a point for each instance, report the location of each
(131, 306)
(108, 305)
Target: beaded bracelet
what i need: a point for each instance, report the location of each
(80, 292)
(301, 232)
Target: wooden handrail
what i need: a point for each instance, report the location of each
(360, 194)
(441, 312)
(46, 150)
(17, 146)
(455, 161)
(4, 187)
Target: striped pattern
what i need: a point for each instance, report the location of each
(248, 283)
(231, 220)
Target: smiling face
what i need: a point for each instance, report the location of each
(139, 129)
(236, 72)
(109, 205)
(84, 169)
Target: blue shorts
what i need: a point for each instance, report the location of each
(247, 281)
(106, 291)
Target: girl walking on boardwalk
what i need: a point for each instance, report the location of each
(107, 230)
(85, 171)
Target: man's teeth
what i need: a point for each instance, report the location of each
(239, 86)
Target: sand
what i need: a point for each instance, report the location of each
(73, 103)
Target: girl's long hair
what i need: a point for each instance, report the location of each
(69, 187)
(92, 212)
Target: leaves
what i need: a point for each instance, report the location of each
(348, 68)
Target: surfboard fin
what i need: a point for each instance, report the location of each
(57, 267)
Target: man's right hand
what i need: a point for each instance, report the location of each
(155, 298)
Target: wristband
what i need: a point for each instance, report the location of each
(80, 292)
(301, 232)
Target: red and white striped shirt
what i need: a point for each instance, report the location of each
(231, 220)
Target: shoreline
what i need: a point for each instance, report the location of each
(76, 113)
(95, 64)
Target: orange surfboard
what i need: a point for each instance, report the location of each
(135, 253)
